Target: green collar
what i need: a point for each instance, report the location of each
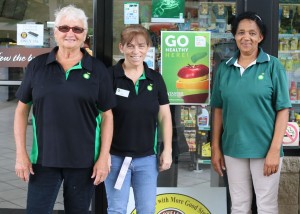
(75, 67)
(137, 84)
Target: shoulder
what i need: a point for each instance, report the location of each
(274, 64)
(97, 62)
(117, 69)
(39, 59)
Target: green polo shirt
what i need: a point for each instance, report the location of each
(249, 104)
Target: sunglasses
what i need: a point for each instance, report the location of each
(66, 28)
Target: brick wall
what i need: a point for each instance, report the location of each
(289, 196)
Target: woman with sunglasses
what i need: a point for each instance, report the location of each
(67, 89)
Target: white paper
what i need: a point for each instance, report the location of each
(131, 13)
(122, 173)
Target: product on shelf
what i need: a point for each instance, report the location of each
(204, 16)
(286, 18)
(220, 14)
(203, 146)
(296, 20)
(293, 91)
(292, 115)
(203, 119)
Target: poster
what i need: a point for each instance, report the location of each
(30, 34)
(131, 13)
(150, 58)
(168, 11)
(186, 200)
(185, 66)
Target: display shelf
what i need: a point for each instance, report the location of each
(288, 35)
(201, 161)
(289, 52)
(208, 128)
(295, 102)
(291, 150)
(222, 36)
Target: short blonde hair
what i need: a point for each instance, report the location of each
(71, 12)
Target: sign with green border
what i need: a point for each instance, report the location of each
(185, 66)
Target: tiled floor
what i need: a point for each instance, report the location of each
(13, 191)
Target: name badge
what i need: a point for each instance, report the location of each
(122, 92)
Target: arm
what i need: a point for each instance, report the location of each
(273, 156)
(165, 123)
(23, 165)
(102, 165)
(217, 158)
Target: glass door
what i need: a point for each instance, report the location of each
(289, 55)
(191, 168)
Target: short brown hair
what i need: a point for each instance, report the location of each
(129, 32)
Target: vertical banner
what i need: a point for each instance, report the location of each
(168, 11)
(185, 66)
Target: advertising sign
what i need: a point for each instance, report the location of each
(167, 11)
(30, 34)
(131, 13)
(185, 200)
(19, 57)
(185, 66)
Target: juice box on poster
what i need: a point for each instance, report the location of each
(291, 136)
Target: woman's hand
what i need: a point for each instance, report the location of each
(165, 161)
(101, 169)
(272, 161)
(217, 160)
(23, 167)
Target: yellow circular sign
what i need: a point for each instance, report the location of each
(178, 204)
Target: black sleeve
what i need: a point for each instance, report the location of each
(24, 92)
(106, 96)
(162, 91)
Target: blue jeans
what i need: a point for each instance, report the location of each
(44, 185)
(142, 176)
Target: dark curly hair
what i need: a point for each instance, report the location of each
(252, 16)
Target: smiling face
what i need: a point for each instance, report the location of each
(248, 36)
(69, 40)
(135, 51)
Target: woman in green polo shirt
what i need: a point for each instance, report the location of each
(251, 101)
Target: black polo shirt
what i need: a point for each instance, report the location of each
(66, 109)
(136, 114)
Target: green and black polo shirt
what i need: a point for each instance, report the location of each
(136, 113)
(67, 109)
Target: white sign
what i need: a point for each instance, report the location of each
(186, 200)
(150, 58)
(30, 34)
(291, 136)
(131, 13)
